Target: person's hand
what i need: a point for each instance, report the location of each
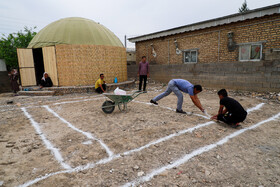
(137, 74)
(214, 117)
(148, 75)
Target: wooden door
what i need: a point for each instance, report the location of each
(50, 63)
(26, 67)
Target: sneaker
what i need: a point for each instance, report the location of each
(181, 111)
(153, 102)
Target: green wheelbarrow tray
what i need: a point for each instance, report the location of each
(118, 100)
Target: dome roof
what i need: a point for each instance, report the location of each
(74, 31)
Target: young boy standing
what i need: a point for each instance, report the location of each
(233, 113)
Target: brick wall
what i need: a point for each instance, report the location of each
(252, 76)
(80, 65)
(131, 57)
(212, 42)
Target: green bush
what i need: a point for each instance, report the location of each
(10, 43)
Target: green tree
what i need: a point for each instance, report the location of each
(244, 7)
(10, 43)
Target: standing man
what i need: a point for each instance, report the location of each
(177, 85)
(100, 86)
(143, 72)
(233, 113)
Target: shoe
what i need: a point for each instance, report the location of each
(237, 125)
(181, 111)
(153, 102)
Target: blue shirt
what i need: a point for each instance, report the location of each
(184, 86)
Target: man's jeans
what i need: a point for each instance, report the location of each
(171, 88)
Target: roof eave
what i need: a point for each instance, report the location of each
(260, 12)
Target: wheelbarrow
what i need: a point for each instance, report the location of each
(118, 100)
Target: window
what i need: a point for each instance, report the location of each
(250, 52)
(190, 56)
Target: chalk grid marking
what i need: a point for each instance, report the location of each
(87, 134)
(196, 152)
(113, 157)
(47, 143)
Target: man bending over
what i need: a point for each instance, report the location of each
(178, 85)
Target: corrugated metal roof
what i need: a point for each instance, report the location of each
(260, 12)
(74, 30)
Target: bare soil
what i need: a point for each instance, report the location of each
(249, 159)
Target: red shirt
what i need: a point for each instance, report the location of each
(143, 68)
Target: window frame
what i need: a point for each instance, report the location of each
(250, 48)
(189, 51)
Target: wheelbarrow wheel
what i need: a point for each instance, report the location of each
(108, 107)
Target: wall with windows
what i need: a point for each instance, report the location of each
(203, 56)
(252, 37)
(251, 76)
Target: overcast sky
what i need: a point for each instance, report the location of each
(123, 17)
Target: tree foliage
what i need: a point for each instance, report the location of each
(10, 43)
(244, 7)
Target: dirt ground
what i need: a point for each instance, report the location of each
(69, 141)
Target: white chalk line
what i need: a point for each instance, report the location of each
(207, 115)
(249, 110)
(196, 152)
(96, 97)
(6, 106)
(47, 143)
(113, 157)
(41, 96)
(183, 132)
(87, 134)
(165, 107)
(67, 102)
(5, 110)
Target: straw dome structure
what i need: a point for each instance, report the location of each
(74, 51)
(73, 31)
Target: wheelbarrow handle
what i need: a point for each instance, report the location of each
(135, 94)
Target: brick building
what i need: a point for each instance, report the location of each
(130, 56)
(239, 51)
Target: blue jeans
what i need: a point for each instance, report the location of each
(171, 88)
